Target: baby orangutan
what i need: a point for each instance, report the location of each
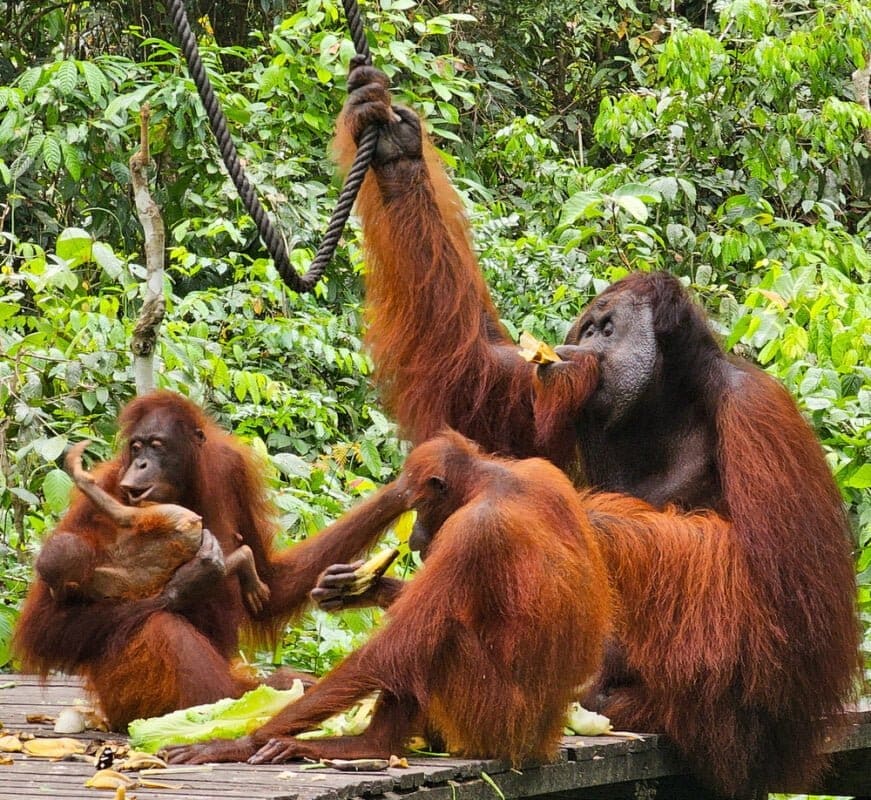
(151, 542)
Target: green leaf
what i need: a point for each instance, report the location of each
(7, 624)
(50, 449)
(240, 386)
(8, 124)
(639, 190)
(794, 342)
(119, 109)
(34, 146)
(56, 489)
(811, 380)
(25, 494)
(30, 79)
(689, 190)
(107, 260)
(399, 52)
(8, 310)
(680, 236)
(74, 245)
(667, 187)
(581, 204)
(292, 466)
(120, 171)
(371, 457)
(66, 77)
(633, 205)
(738, 330)
(449, 113)
(51, 153)
(860, 479)
(72, 161)
(767, 353)
(94, 80)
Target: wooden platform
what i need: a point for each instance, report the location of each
(590, 767)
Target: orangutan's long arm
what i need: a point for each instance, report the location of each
(294, 572)
(441, 355)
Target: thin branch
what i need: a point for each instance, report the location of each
(151, 315)
(861, 81)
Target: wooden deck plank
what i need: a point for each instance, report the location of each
(589, 767)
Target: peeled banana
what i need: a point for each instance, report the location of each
(366, 574)
(536, 352)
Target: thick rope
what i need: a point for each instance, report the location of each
(362, 160)
(218, 123)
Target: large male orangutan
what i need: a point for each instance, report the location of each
(724, 532)
(144, 656)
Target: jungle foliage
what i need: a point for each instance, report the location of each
(721, 141)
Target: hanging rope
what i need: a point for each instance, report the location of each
(218, 123)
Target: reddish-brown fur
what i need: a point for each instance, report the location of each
(436, 304)
(488, 643)
(142, 659)
(569, 386)
(738, 616)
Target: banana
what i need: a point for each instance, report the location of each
(536, 352)
(374, 568)
(378, 564)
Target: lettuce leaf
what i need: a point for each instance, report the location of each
(229, 718)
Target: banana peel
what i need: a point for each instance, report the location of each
(40, 719)
(356, 764)
(535, 351)
(136, 761)
(374, 568)
(10, 744)
(61, 747)
(112, 779)
(109, 779)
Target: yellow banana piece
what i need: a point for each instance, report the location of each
(536, 352)
(378, 564)
(366, 574)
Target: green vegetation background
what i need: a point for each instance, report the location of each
(722, 142)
